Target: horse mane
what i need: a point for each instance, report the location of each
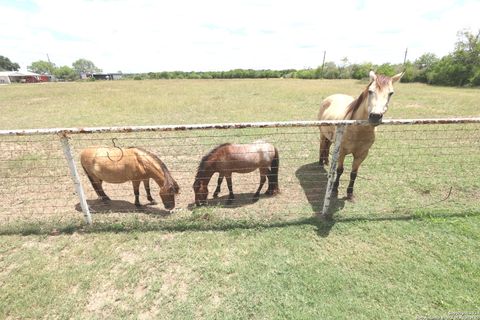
(205, 158)
(169, 183)
(381, 82)
(355, 104)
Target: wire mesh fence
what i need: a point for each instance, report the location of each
(416, 168)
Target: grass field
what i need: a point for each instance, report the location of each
(409, 247)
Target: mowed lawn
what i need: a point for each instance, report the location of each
(408, 248)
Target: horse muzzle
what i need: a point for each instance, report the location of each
(375, 118)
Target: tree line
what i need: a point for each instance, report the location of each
(46, 67)
(458, 68)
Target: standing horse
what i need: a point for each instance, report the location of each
(241, 158)
(119, 165)
(357, 140)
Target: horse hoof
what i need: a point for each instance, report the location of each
(105, 199)
(215, 195)
(323, 162)
(350, 197)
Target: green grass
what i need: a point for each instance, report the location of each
(407, 248)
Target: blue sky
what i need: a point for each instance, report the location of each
(143, 36)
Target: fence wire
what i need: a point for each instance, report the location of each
(434, 168)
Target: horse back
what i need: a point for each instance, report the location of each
(244, 158)
(335, 107)
(113, 165)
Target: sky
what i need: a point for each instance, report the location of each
(209, 35)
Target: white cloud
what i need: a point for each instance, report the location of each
(142, 36)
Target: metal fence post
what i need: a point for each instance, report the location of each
(333, 170)
(67, 151)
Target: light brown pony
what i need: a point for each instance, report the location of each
(357, 140)
(240, 158)
(119, 165)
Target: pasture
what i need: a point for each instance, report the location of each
(407, 248)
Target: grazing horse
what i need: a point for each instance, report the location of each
(241, 158)
(119, 165)
(357, 140)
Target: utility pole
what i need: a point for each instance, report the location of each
(323, 63)
(49, 62)
(405, 57)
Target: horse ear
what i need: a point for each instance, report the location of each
(397, 77)
(373, 76)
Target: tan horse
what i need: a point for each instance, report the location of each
(240, 158)
(357, 140)
(119, 165)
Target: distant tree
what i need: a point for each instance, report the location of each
(330, 71)
(42, 67)
(84, 65)
(423, 66)
(65, 73)
(386, 69)
(360, 71)
(6, 64)
(345, 69)
(462, 67)
(467, 54)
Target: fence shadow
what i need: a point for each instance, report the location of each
(313, 179)
(121, 206)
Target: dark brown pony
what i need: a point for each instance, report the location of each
(119, 165)
(240, 158)
(371, 105)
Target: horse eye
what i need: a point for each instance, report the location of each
(391, 94)
(371, 91)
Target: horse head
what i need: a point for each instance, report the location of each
(168, 193)
(380, 91)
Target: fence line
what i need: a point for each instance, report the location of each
(240, 125)
(29, 163)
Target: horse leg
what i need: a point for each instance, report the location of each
(357, 161)
(136, 191)
(146, 184)
(219, 182)
(97, 186)
(230, 189)
(324, 149)
(263, 178)
(341, 158)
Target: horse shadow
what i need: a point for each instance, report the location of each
(122, 206)
(241, 200)
(313, 179)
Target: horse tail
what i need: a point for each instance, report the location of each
(273, 176)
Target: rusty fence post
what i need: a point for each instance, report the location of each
(67, 151)
(332, 174)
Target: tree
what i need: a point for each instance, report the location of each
(386, 69)
(423, 66)
(360, 71)
(467, 54)
(85, 66)
(6, 64)
(462, 67)
(345, 69)
(42, 67)
(65, 73)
